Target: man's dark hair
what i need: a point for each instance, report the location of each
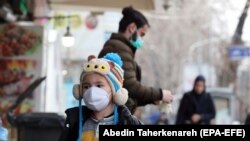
(131, 15)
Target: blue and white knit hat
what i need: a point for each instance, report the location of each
(110, 66)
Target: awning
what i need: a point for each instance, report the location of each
(101, 5)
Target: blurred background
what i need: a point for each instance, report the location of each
(53, 38)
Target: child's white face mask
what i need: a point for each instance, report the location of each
(96, 98)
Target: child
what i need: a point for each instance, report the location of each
(104, 97)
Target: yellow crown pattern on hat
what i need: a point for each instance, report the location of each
(110, 68)
(97, 65)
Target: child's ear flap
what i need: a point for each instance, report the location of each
(91, 57)
(121, 97)
(77, 91)
(111, 64)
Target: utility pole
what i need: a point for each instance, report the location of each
(234, 64)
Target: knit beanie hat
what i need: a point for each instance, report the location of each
(110, 66)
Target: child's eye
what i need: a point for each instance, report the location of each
(86, 87)
(99, 86)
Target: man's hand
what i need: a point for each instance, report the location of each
(167, 96)
(157, 102)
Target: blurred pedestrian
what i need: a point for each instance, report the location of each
(104, 97)
(132, 28)
(197, 106)
(247, 122)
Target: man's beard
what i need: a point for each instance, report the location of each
(134, 36)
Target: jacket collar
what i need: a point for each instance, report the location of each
(123, 112)
(119, 36)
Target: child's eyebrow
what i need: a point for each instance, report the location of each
(85, 83)
(99, 82)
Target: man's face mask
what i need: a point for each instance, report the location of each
(137, 41)
(96, 98)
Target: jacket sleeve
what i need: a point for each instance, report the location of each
(143, 94)
(182, 111)
(65, 133)
(69, 133)
(210, 113)
(127, 118)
